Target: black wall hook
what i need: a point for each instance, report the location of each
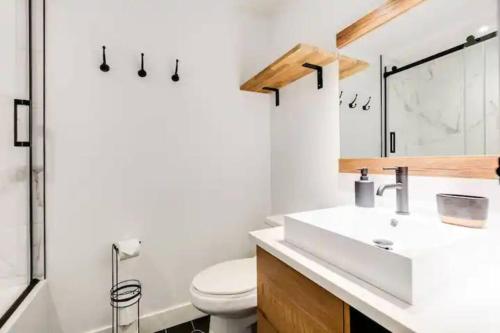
(367, 106)
(340, 97)
(104, 67)
(353, 104)
(142, 72)
(176, 77)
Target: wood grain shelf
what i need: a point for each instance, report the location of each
(387, 11)
(289, 68)
(480, 167)
(349, 66)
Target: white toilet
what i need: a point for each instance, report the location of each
(228, 293)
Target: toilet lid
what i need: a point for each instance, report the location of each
(228, 278)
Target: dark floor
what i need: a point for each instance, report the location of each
(359, 324)
(200, 324)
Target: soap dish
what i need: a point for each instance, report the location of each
(464, 210)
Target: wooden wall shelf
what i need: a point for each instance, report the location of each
(289, 68)
(387, 11)
(481, 167)
(349, 66)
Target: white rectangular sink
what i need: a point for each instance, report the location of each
(423, 255)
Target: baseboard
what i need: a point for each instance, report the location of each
(156, 321)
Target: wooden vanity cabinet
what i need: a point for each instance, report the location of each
(288, 302)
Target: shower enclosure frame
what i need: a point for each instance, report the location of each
(31, 269)
(385, 74)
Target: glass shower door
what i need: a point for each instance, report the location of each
(15, 150)
(425, 109)
(447, 106)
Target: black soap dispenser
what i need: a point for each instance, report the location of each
(364, 190)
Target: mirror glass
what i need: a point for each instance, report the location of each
(431, 85)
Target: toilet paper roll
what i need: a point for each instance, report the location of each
(128, 249)
(132, 328)
(127, 317)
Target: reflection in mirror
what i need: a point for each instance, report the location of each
(433, 83)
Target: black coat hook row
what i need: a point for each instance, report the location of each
(353, 104)
(176, 77)
(142, 72)
(104, 67)
(367, 106)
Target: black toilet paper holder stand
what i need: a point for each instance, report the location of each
(123, 294)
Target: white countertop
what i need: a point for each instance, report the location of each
(467, 305)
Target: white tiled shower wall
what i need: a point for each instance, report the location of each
(448, 106)
(14, 233)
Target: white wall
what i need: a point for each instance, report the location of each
(183, 166)
(305, 131)
(305, 145)
(304, 128)
(359, 129)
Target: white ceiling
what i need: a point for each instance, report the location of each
(346, 11)
(264, 7)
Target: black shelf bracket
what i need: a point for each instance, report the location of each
(277, 92)
(319, 70)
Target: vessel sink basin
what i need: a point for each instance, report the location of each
(406, 256)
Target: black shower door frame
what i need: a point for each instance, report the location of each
(32, 280)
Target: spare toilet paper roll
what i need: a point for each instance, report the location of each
(132, 328)
(128, 249)
(128, 317)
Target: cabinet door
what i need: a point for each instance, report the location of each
(263, 325)
(291, 303)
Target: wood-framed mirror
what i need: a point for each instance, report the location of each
(429, 96)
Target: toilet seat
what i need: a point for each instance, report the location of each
(228, 278)
(226, 289)
(226, 305)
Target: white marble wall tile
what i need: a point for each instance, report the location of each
(14, 171)
(425, 108)
(474, 100)
(14, 194)
(448, 106)
(492, 98)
